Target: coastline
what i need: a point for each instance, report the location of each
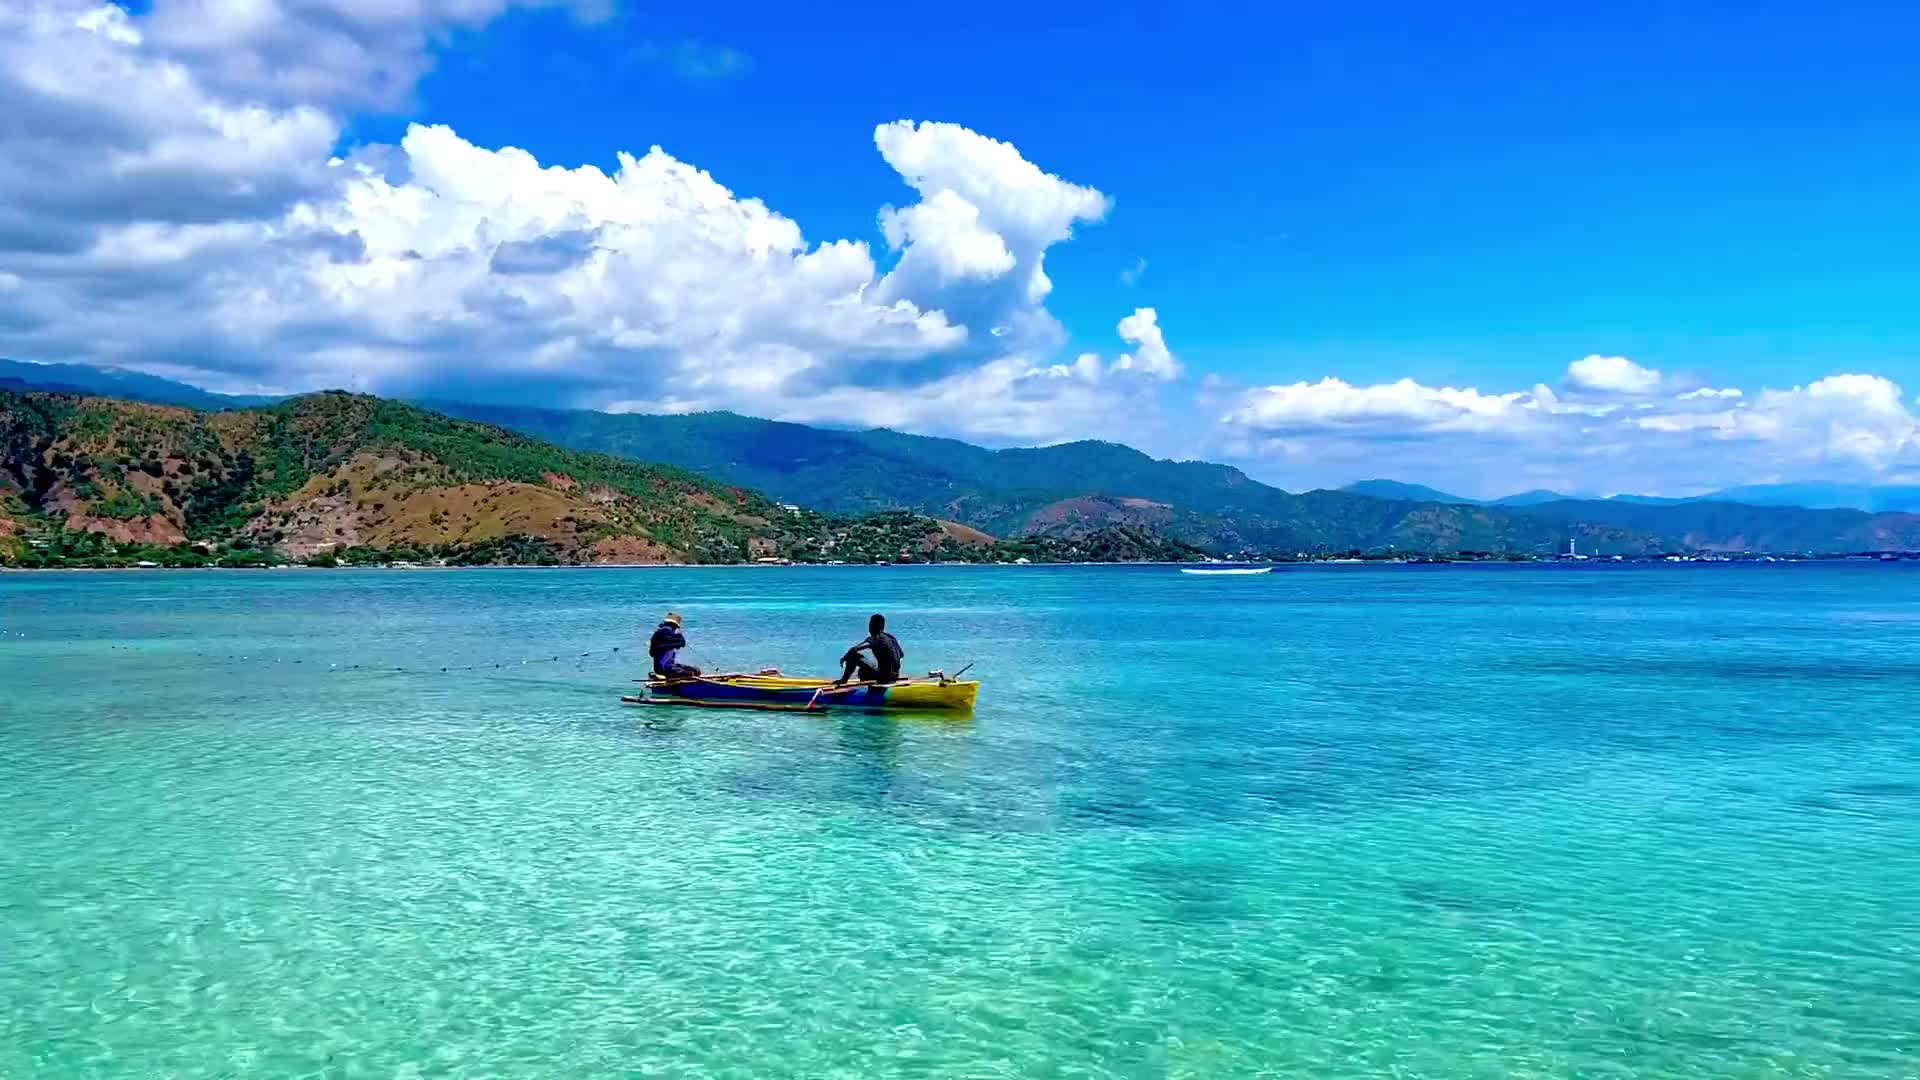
(1278, 565)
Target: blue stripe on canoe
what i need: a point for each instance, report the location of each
(868, 697)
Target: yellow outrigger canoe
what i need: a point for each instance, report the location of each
(786, 693)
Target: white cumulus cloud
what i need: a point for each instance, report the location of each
(949, 238)
(169, 199)
(485, 264)
(976, 242)
(1397, 408)
(1612, 374)
(1854, 426)
(102, 128)
(350, 52)
(1856, 417)
(1151, 355)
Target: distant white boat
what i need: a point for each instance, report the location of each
(1212, 570)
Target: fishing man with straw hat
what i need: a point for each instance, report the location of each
(665, 650)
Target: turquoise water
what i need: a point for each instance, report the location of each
(1426, 822)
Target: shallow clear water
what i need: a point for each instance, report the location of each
(1331, 822)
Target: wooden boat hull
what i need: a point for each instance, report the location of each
(911, 694)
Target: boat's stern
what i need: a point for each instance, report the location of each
(932, 695)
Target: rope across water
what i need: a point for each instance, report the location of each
(579, 659)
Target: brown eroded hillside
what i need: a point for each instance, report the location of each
(340, 473)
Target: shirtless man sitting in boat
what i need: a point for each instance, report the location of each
(886, 653)
(665, 650)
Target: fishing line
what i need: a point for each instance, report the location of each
(340, 667)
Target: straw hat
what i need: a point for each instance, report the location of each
(673, 617)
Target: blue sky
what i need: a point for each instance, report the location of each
(1451, 193)
(1630, 247)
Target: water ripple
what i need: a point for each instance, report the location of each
(1339, 824)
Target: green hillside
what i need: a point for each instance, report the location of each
(1063, 490)
(335, 476)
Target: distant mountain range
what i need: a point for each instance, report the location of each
(116, 383)
(1064, 490)
(1072, 490)
(1871, 498)
(1904, 498)
(1394, 489)
(1074, 487)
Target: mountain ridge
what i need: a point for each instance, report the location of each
(118, 383)
(1056, 490)
(1710, 525)
(324, 476)
(1395, 489)
(1064, 488)
(1065, 491)
(130, 385)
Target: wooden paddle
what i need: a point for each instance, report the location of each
(841, 689)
